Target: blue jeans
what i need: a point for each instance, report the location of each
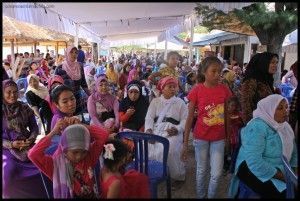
(215, 149)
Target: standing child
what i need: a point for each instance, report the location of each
(71, 166)
(115, 185)
(209, 132)
(235, 123)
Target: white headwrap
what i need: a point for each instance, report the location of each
(266, 110)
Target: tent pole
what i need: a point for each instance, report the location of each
(191, 41)
(155, 51)
(12, 51)
(34, 48)
(56, 49)
(76, 36)
(166, 48)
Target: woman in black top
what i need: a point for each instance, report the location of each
(35, 95)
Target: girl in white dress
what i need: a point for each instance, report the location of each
(166, 117)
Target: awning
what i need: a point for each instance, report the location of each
(291, 38)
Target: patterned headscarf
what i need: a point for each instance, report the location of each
(131, 74)
(73, 137)
(53, 79)
(107, 100)
(71, 67)
(166, 80)
(15, 113)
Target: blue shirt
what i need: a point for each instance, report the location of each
(261, 148)
(80, 56)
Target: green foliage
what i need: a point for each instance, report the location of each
(197, 29)
(257, 16)
(128, 48)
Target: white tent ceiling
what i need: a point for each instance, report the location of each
(109, 21)
(126, 20)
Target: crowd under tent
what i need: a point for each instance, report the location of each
(104, 22)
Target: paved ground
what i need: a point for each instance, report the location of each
(188, 190)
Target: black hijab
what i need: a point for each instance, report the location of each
(137, 120)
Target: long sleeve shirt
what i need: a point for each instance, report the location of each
(45, 162)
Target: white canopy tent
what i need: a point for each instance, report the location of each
(106, 22)
(111, 21)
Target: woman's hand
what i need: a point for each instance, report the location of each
(72, 120)
(21, 144)
(172, 131)
(149, 131)
(279, 175)
(184, 153)
(130, 111)
(60, 125)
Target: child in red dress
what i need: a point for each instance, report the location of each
(132, 184)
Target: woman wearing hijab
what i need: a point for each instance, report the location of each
(112, 75)
(166, 117)
(133, 75)
(229, 78)
(89, 77)
(73, 74)
(102, 106)
(124, 76)
(264, 140)
(53, 81)
(258, 82)
(20, 179)
(36, 94)
(134, 107)
(71, 167)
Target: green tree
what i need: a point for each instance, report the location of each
(197, 29)
(270, 25)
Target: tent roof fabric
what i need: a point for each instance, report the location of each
(110, 21)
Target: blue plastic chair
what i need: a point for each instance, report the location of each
(157, 171)
(22, 86)
(43, 120)
(22, 83)
(290, 178)
(246, 192)
(48, 185)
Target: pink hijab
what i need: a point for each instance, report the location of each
(71, 67)
(131, 74)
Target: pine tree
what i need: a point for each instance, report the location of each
(270, 25)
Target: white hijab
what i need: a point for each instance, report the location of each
(42, 91)
(266, 110)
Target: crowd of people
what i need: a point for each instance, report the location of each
(228, 108)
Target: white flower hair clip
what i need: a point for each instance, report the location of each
(109, 149)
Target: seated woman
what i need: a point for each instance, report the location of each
(53, 81)
(73, 74)
(89, 77)
(264, 140)
(35, 69)
(21, 179)
(65, 101)
(133, 108)
(103, 107)
(36, 94)
(166, 117)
